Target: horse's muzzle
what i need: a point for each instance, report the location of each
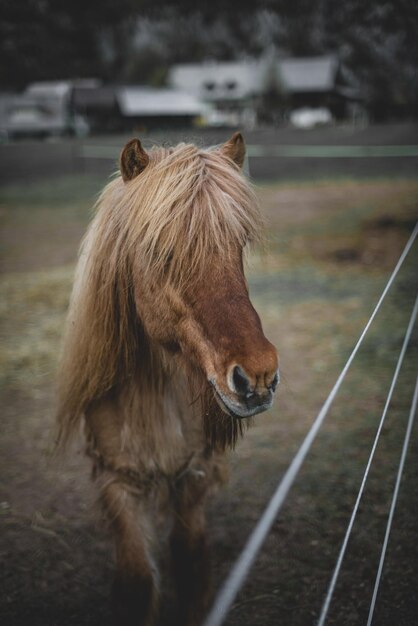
(244, 405)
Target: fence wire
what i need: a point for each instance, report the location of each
(337, 570)
(394, 500)
(242, 566)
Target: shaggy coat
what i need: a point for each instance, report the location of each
(163, 357)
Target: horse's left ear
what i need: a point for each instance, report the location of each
(234, 148)
(133, 160)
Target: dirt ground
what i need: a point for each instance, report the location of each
(331, 247)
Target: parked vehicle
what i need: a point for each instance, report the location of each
(307, 117)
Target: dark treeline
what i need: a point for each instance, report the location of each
(136, 41)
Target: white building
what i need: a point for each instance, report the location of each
(240, 88)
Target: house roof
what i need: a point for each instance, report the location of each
(48, 89)
(58, 88)
(148, 101)
(308, 74)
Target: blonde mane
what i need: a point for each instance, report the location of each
(186, 207)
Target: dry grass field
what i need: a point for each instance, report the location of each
(330, 248)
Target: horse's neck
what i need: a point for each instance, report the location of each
(159, 415)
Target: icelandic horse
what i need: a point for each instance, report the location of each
(163, 360)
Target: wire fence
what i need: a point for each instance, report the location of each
(242, 566)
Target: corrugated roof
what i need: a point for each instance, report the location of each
(147, 101)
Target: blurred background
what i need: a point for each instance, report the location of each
(79, 74)
(326, 94)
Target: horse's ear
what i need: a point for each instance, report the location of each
(234, 148)
(133, 160)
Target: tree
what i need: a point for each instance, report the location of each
(51, 39)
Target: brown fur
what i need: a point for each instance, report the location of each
(159, 308)
(185, 206)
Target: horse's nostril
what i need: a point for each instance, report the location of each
(274, 382)
(241, 382)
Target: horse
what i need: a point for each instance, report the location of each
(164, 360)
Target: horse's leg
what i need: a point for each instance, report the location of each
(190, 564)
(135, 592)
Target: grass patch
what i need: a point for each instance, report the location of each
(32, 316)
(62, 192)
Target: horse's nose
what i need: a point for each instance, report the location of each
(240, 384)
(248, 387)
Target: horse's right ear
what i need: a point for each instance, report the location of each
(133, 160)
(234, 149)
